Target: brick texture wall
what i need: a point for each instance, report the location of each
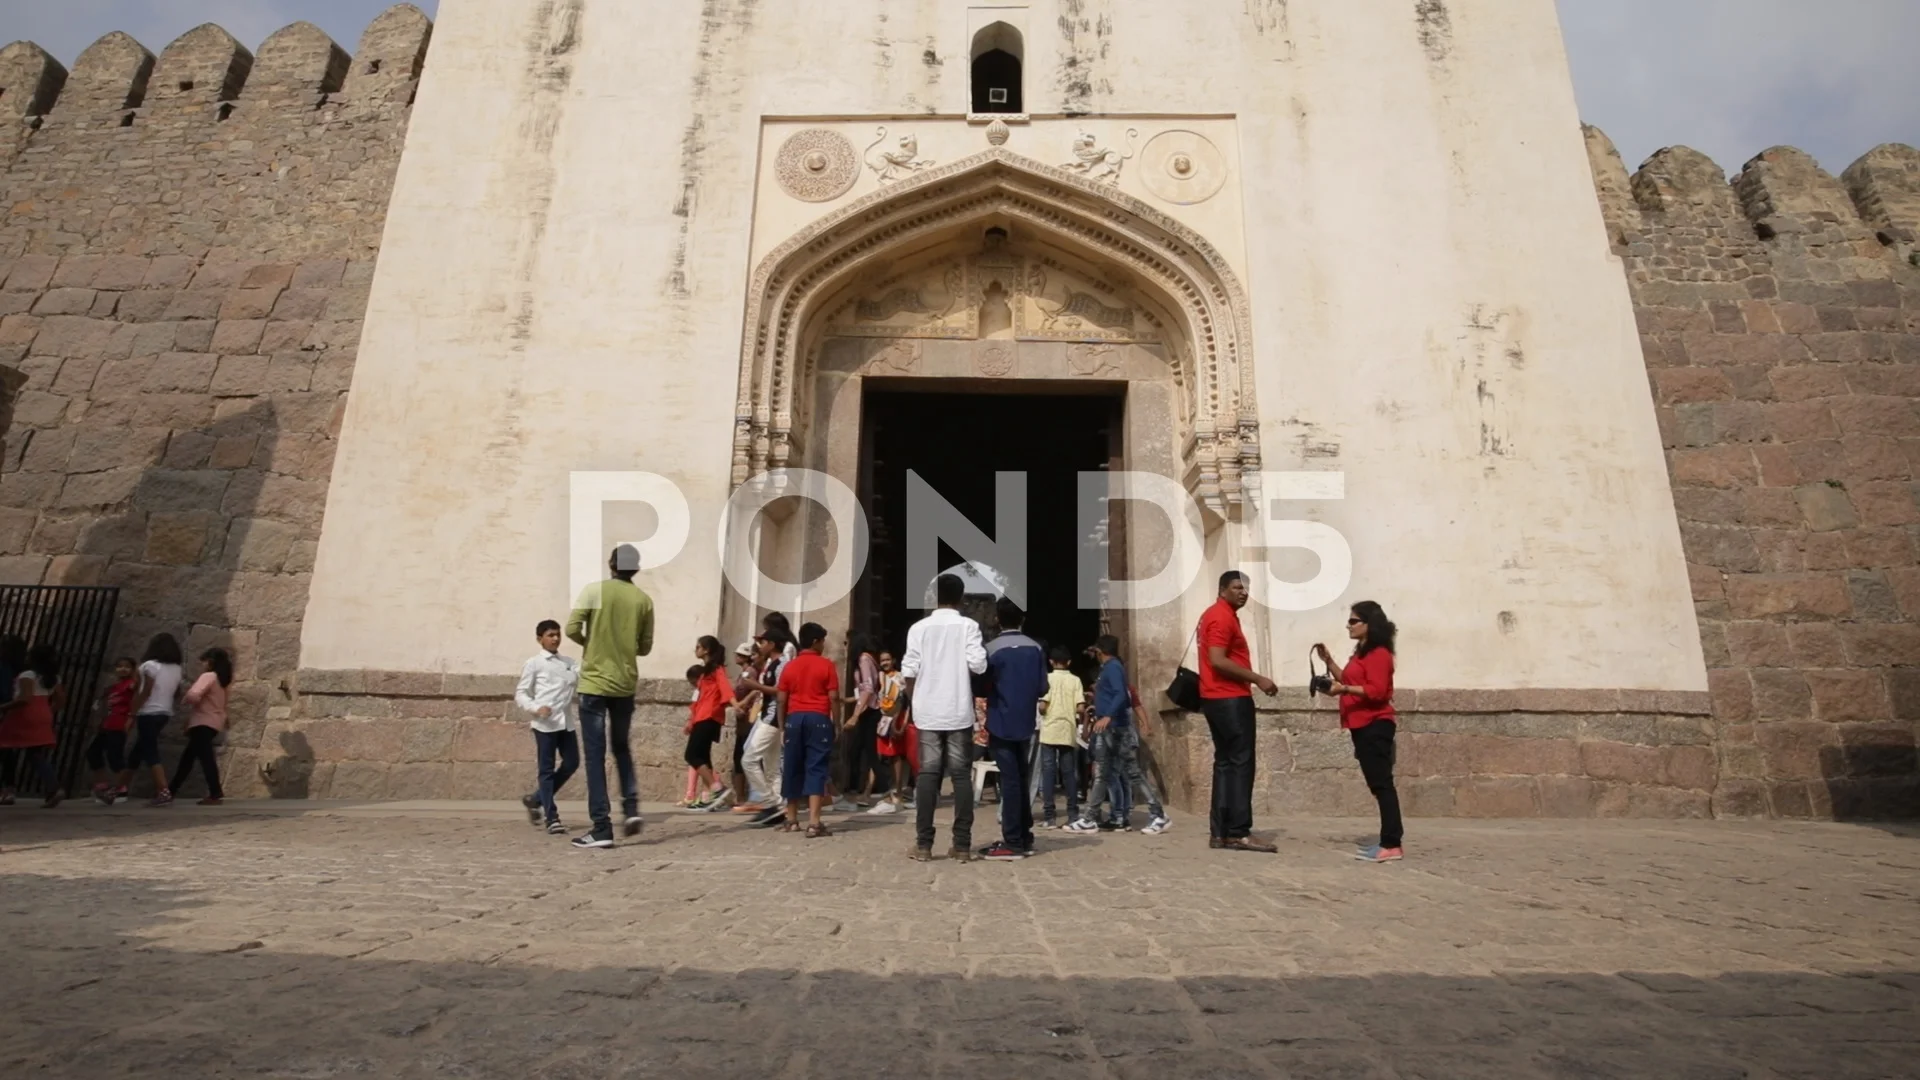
(1780, 316)
(186, 247)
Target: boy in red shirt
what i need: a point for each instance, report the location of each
(809, 690)
(107, 753)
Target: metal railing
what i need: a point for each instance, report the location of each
(77, 620)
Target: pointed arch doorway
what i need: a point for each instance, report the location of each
(938, 323)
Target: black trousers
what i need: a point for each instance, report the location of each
(1373, 748)
(1230, 720)
(863, 757)
(200, 749)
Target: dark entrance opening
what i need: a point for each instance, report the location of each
(996, 82)
(956, 442)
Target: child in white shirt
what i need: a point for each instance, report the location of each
(546, 691)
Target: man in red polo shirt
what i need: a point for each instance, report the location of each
(1226, 699)
(809, 690)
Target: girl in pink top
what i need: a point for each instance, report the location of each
(208, 700)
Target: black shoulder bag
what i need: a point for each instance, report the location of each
(1184, 690)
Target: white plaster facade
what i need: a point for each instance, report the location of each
(589, 188)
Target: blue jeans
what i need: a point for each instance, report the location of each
(1062, 762)
(948, 754)
(548, 745)
(1116, 772)
(807, 755)
(1016, 809)
(597, 715)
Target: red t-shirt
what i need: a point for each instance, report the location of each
(1221, 626)
(715, 694)
(813, 682)
(119, 705)
(1372, 674)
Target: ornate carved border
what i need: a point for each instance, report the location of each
(1221, 446)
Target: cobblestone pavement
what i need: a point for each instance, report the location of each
(446, 941)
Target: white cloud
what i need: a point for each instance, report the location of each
(1731, 78)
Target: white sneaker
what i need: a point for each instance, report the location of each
(1157, 826)
(885, 806)
(1082, 826)
(840, 806)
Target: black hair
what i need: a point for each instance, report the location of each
(812, 634)
(13, 652)
(127, 660)
(716, 654)
(695, 673)
(1108, 644)
(1059, 655)
(163, 648)
(1230, 577)
(949, 590)
(221, 665)
(777, 629)
(1009, 613)
(45, 661)
(545, 625)
(1380, 629)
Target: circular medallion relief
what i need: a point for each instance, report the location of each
(1183, 167)
(816, 165)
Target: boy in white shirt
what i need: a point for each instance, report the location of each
(546, 690)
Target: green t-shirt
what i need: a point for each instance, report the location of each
(613, 622)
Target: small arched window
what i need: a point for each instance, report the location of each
(997, 58)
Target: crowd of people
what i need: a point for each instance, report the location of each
(140, 702)
(806, 743)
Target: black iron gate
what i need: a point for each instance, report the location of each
(76, 620)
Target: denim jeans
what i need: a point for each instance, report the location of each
(948, 753)
(548, 745)
(1116, 772)
(1062, 762)
(1014, 760)
(603, 719)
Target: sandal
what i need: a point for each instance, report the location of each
(790, 826)
(815, 832)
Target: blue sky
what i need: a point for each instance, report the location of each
(1728, 77)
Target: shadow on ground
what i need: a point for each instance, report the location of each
(103, 1002)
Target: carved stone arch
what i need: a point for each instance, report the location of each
(1212, 355)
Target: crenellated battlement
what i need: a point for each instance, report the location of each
(1782, 194)
(118, 82)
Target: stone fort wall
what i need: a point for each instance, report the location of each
(184, 262)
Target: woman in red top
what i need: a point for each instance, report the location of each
(1366, 711)
(713, 693)
(26, 724)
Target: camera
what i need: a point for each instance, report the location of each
(1320, 684)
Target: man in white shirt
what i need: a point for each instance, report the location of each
(545, 692)
(944, 651)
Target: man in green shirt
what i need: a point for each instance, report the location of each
(613, 622)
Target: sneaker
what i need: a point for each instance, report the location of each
(631, 827)
(103, 796)
(53, 799)
(531, 804)
(121, 795)
(6, 800)
(764, 815)
(1160, 823)
(593, 840)
(208, 801)
(554, 828)
(959, 854)
(885, 806)
(165, 798)
(718, 803)
(1002, 852)
(1082, 825)
(840, 806)
(1376, 853)
(921, 854)
(1115, 826)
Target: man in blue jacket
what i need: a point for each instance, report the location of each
(1115, 747)
(1016, 680)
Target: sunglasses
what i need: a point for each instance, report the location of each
(1355, 622)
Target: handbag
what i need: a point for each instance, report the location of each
(1184, 690)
